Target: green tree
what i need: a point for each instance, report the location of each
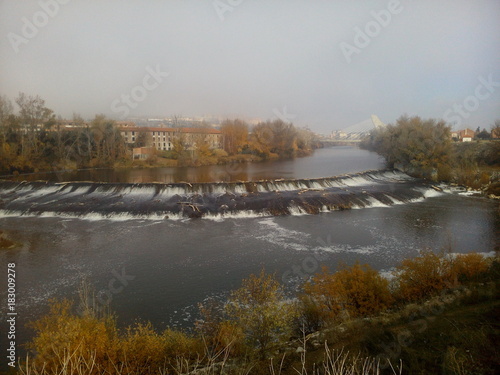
(414, 144)
(483, 134)
(260, 309)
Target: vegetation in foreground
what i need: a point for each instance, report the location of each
(424, 148)
(438, 314)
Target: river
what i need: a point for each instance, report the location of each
(153, 268)
(324, 163)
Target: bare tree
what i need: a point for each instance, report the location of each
(33, 115)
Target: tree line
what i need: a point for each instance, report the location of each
(33, 139)
(424, 148)
(269, 139)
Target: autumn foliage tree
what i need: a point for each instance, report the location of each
(235, 135)
(277, 138)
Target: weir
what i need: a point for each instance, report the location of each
(220, 199)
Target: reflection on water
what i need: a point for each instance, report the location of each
(323, 163)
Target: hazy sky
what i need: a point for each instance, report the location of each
(325, 64)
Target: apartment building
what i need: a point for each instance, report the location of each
(163, 138)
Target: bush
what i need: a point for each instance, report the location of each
(60, 332)
(358, 290)
(142, 349)
(260, 310)
(423, 275)
(68, 343)
(467, 267)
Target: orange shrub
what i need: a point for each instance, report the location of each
(62, 333)
(66, 343)
(423, 275)
(468, 266)
(358, 290)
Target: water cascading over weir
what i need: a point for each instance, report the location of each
(219, 199)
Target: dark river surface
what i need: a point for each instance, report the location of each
(157, 270)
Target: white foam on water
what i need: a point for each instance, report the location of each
(374, 202)
(296, 210)
(430, 193)
(93, 216)
(346, 248)
(285, 238)
(249, 214)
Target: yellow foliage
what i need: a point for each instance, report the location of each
(423, 275)
(61, 332)
(93, 343)
(230, 337)
(142, 348)
(468, 266)
(358, 291)
(178, 343)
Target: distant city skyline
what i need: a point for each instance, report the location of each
(325, 65)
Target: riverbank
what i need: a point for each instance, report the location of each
(451, 328)
(157, 161)
(324, 162)
(232, 164)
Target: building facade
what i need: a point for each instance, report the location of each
(466, 135)
(163, 138)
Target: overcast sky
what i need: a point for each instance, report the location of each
(325, 64)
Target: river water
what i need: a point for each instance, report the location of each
(324, 163)
(154, 269)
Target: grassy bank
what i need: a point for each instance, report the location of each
(161, 160)
(438, 314)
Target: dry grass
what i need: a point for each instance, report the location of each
(335, 362)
